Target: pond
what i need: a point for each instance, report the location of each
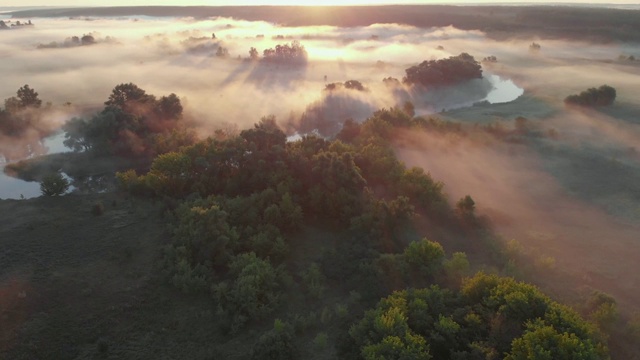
(12, 188)
(504, 90)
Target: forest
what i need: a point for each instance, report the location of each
(240, 208)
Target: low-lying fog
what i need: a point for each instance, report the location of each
(179, 55)
(574, 195)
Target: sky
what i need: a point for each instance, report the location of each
(90, 3)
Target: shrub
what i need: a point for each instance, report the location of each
(97, 209)
(320, 341)
(54, 185)
(276, 344)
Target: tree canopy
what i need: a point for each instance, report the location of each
(293, 54)
(490, 317)
(449, 71)
(605, 95)
(132, 123)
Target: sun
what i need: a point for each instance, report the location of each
(319, 2)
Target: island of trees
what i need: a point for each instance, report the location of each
(604, 95)
(449, 71)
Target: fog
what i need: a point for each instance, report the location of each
(573, 196)
(164, 55)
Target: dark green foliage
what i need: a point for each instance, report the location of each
(314, 281)
(418, 265)
(132, 123)
(448, 71)
(252, 292)
(602, 309)
(605, 95)
(336, 186)
(489, 316)
(54, 185)
(276, 344)
(542, 342)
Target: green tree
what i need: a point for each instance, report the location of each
(170, 174)
(54, 185)
(276, 344)
(125, 95)
(424, 257)
(544, 342)
(28, 97)
(253, 291)
(448, 71)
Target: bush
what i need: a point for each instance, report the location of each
(54, 185)
(321, 340)
(97, 209)
(276, 344)
(254, 291)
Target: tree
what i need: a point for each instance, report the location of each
(354, 84)
(27, 98)
(452, 70)
(132, 123)
(276, 344)
(253, 54)
(534, 47)
(605, 95)
(294, 54)
(253, 292)
(424, 257)
(169, 107)
(54, 185)
(87, 39)
(466, 206)
(125, 94)
(489, 316)
(222, 52)
(544, 342)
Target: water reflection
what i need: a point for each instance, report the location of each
(13, 188)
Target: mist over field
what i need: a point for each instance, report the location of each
(179, 55)
(556, 184)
